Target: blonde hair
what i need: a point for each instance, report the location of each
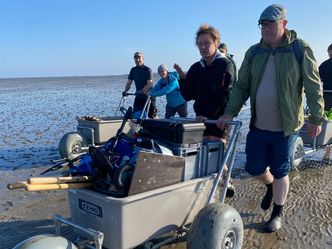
(208, 29)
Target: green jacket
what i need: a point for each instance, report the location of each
(292, 79)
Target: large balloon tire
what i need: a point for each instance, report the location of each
(297, 154)
(216, 226)
(70, 145)
(43, 241)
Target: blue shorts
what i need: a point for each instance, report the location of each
(269, 149)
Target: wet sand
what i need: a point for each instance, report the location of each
(307, 219)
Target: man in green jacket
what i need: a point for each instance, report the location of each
(274, 79)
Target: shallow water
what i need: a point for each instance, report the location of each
(37, 112)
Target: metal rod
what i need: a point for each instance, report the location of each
(122, 101)
(230, 167)
(96, 235)
(230, 147)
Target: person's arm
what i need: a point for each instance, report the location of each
(156, 88)
(148, 86)
(313, 92)
(312, 86)
(127, 87)
(179, 70)
(172, 85)
(226, 82)
(149, 83)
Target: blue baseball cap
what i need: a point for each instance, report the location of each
(273, 12)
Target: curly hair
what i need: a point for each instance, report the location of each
(208, 29)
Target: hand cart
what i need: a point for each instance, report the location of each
(188, 208)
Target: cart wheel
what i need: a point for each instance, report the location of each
(70, 145)
(217, 226)
(42, 241)
(297, 155)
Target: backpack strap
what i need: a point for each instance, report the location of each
(296, 44)
(296, 49)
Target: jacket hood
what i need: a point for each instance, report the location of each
(290, 36)
(217, 55)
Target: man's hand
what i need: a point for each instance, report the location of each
(221, 122)
(201, 118)
(313, 130)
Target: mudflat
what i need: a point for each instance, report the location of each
(307, 219)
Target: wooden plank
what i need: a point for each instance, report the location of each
(154, 170)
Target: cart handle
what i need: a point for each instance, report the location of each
(125, 94)
(230, 152)
(96, 235)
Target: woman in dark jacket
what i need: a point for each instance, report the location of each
(209, 81)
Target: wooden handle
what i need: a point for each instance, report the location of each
(38, 187)
(63, 179)
(16, 185)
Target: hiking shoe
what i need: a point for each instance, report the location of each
(273, 225)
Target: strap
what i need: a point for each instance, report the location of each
(296, 49)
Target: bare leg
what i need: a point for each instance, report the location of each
(280, 190)
(266, 177)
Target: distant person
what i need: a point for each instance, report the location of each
(208, 82)
(325, 72)
(168, 85)
(142, 75)
(274, 79)
(224, 51)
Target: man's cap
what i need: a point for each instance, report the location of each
(329, 48)
(222, 46)
(138, 54)
(273, 12)
(162, 67)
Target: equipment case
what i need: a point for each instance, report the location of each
(180, 132)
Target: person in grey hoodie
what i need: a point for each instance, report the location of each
(168, 85)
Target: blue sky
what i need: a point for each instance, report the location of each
(99, 37)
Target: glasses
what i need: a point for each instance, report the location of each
(204, 44)
(267, 24)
